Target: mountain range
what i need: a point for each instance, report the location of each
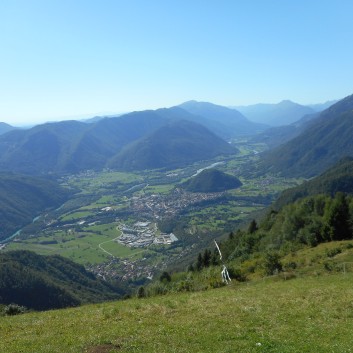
(306, 144)
(283, 113)
(73, 146)
(223, 121)
(5, 128)
(173, 145)
(326, 140)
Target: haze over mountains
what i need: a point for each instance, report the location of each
(166, 138)
(326, 140)
(283, 113)
(72, 146)
(5, 128)
(173, 145)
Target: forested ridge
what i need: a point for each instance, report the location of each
(23, 197)
(49, 282)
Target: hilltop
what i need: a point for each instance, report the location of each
(173, 145)
(282, 113)
(5, 128)
(211, 180)
(223, 121)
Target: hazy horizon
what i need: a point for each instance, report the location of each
(62, 60)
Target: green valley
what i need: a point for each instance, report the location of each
(88, 227)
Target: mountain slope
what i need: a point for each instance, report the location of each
(278, 135)
(5, 128)
(322, 106)
(211, 180)
(283, 113)
(22, 198)
(72, 146)
(324, 143)
(223, 121)
(338, 178)
(48, 282)
(41, 149)
(173, 145)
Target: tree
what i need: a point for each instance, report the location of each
(199, 262)
(165, 277)
(206, 259)
(141, 292)
(337, 218)
(252, 227)
(272, 263)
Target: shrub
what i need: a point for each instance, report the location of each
(14, 309)
(333, 252)
(165, 277)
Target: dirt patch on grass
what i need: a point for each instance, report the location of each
(103, 348)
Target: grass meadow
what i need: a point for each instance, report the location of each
(308, 314)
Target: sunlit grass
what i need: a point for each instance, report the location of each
(312, 314)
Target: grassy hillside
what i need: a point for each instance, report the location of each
(300, 315)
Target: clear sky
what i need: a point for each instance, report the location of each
(66, 58)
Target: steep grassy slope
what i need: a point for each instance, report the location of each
(312, 314)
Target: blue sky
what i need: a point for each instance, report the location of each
(67, 58)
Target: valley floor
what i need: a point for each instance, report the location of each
(309, 314)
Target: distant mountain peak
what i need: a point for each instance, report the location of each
(283, 113)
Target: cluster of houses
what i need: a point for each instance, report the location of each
(157, 206)
(143, 234)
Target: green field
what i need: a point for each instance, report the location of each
(82, 247)
(311, 314)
